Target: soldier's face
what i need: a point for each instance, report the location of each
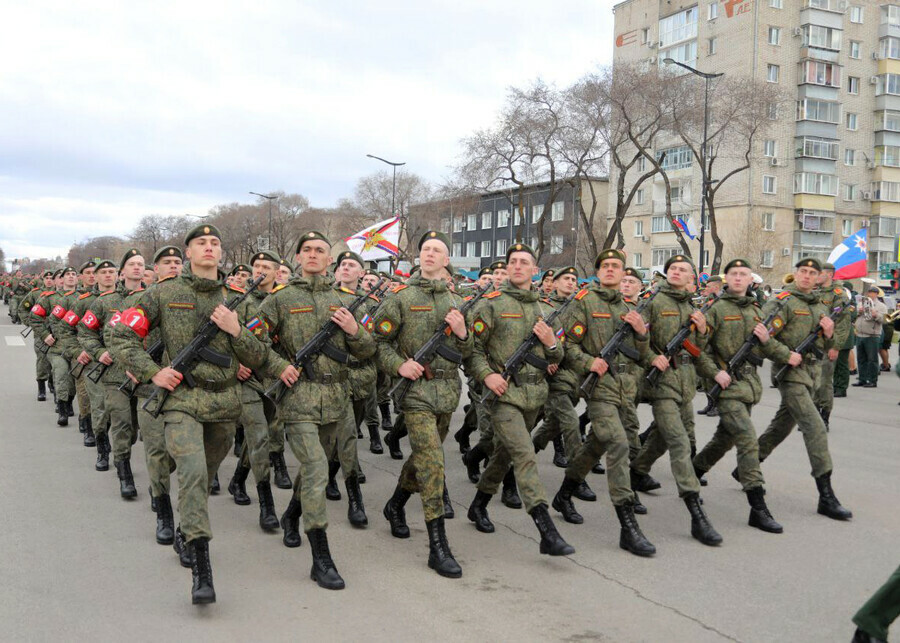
(805, 278)
(106, 277)
(433, 256)
(204, 252)
(240, 278)
(348, 271)
(566, 285)
(314, 257)
(284, 275)
(48, 281)
(738, 280)
(149, 276)
(630, 286)
(679, 275)
(500, 275)
(547, 285)
(484, 280)
(825, 277)
(521, 267)
(369, 281)
(266, 269)
(87, 277)
(610, 273)
(133, 270)
(70, 280)
(168, 266)
(58, 282)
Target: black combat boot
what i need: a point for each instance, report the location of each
(268, 519)
(826, 416)
(375, 440)
(102, 452)
(466, 430)
(356, 510)
(360, 475)
(440, 558)
(449, 513)
(639, 507)
(42, 390)
(323, 570)
(81, 425)
(69, 410)
(126, 479)
(290, 522)
(562, 502)
(237, 486)
(62, 414)
(152, 499)
(509, 496)
(631, 538)
(829, 505)
(598, 468)
(472, 459)
(583, 420)
(584, 492)
(643, 482)
(386, 424)
(202, 590)
(165, 521)
(395, 513)
(215, 487)
(551, 542)
(279, 469)
(89, 439)
(861, 636)
(478, 512)
(559, 453)
(701, 527)
(760, 516)
(392, 442)
(700, 473)
(238, 440)
(331, 489)
(181, 548)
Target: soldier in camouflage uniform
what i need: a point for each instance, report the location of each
(831, 296)
(732, 320)
(841, 378)
(406, 321)
(72, 350)
(801, 313)
(42, 364)
(199, 421)
(317, 404)
(18, 288)
(276, 425)
(672, 396)
(378, 399)
(502, 321)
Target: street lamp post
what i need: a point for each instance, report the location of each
(269, 198)
(393, 189)
(704, 174)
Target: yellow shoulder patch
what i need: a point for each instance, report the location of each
(493, 295)
(278, 287)
(399, 288)
(85, 295)
(166, 278)
(346, 290)
(581, 294)
(236, 289)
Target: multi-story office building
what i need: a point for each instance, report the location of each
(829, 163)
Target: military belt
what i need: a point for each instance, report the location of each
(214, 386)
(531, 378)
(682, 359)
(330, 378)
(444, 374)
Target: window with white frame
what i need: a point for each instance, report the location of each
(660, 224)
(486, 220)
(822, 37)
(536, 212)
(772, 111)
(849, 157)
(886, 191)
(888, 155)
(772, 73)
(556, 245)
(661, 255)
(889, 47)
(712, 46)
(641, 163)
(677, 158)
(887, 120)
(846, 227)
(677, 27)
(639, 228)
(852, 85)
(768, 221)
(774, 35)
(767, 259)
(502, 245)
(820, 73)
(457, 224)
(769, 184)
(855, 49)
(850, 192)
(823, 111)
(517, 217)
(712, 11)
(470, 249)
(776, 4)
(445, 225)
(890, 14)
(639, 196)
(472, 223)
(636, 259)
(685, 53)
(856, 14)
(815, 183)
(818, 148)
(887, 84)
(816, 221)
(769, 148)
(852, 121)
(502, 218)
(457, 249)
(486, 248)
(558, 211)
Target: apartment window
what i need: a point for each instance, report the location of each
(770, 185)
(888, 155)
(856, 14)
(885, 227)
(776, 4)
(713, 44)
(769, 148)
(517, 217)
(470, 249)
(660, 224)
(772, 111)
(457, 224)
(536, 212)
(887, 84)
(639, 197)
(849, 157)
(556, 245)
(486, 248)
(445, 225)
(636, 259)
(712, 11)
(472, 222)
(502, 218)
(684, 53)
(767, 259)
(811, 109)
(855, 49)
(485, 220)
(818, 148)
(558, 212)
(851, 121)
(502, 244)
(887, 120)
(662, 255)
(816, 221)
(890, 14)
(849, 192)
(774, 35)
(457, 249)
(820, 73)
(675, 194)
(768, 221)
(772, 73)
(645, 35)
(889, 47)
(678, 27)
(852, 85)
(815, 183)
(639, 228)
(677, 158)
(846, 227)
(821, 37)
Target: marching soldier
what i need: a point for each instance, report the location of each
(42, 364)
(406, 321)
(831, 296)
(240, 275)
(73, 350)
(378, 399)
(502, 321)
(276, 425)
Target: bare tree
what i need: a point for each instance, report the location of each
(106, 247)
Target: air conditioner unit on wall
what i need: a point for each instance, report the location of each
(774, 162)
(798, 31)
(866, 196)
(652, 60)
(645, 239)
(785, 252)
(842, 5)
(873, 80)
(870, 165)
(874, 55)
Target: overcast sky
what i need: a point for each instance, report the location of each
(110, 111)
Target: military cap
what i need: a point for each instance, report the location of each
(434, 234)
(519, 247)
(609, 253)
(90, 263)
(565, 270)
(735, 263)
(47, 273)
(714, 279)
(167, 251)
(106, 263)
(68, 269)
(370, 271)
(809, 262)
(487, 270)
(132, 252)
(312, 235)
(349, 254)
(632, 272)
(239, 268)
(57, 273)
(828, 266)
(202, 230)
(265, 255)
(848, 285)
(548, 273)
(498, 265)
(285, 262)
(678, 259)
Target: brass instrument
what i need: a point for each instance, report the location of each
(892, 316)
(788, 279)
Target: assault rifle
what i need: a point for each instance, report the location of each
(678, 341)
(808, 344)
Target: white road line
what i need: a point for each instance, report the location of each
(13, 340)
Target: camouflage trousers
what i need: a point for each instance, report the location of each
(423, 471)
(876, 616)
(841, 378)
(607, 436)
(797, 409)
(559, 418)
(255, 450)
(63, 383)
(42, 367)
(735, 429)
(122, 412)
(159, 463)
(276, 435)
(343, 449)
(198, 449)
(512, 444)
(99, 416)
(671, 420)
(371, 414)
(483, 418)
(84, 400)
(823, 396)
(309, 442)
(14, 307)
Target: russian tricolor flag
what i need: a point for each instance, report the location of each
(849, 258)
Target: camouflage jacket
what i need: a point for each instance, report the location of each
(178, 306)
(69, 330)
(731, 321)
(843, 324)
(591, 321)
(565, 380)
(92, 335)
(503, 320)
(799, 315)
(291, 315)
(27, 303)
(362, 371)
(403, 323)
(48, 316)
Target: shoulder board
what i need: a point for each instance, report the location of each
(278, 287)
(166, 278)
(34, 289)
(346, 291)
(784, 295)
(581, 294)
(66, 294)
(374, 298)
(108, 292)
(47, 293)
(85, 295)
(491, 295)
(547, 301)
(136, 290)
(236, 289)
(399, 288)
(838, 291)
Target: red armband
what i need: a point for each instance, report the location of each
(58, 311)
(71, 318)
(38, 310)
(135, 319)
(90, 320)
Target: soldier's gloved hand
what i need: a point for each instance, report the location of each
(634, 319)
(457, 323)
(345, 319)
(661, 363)
(49, 340)
(544, 333)
(290, 375)
(226, 320)
(827, 325)
(167, 378)
(84, 358)
(599, 366)
(832, 354)
(106, 358)
(243, 373)
(762, 333)
(496, 383)
(411, 370)
(699, 321)
(795, 359)
(723, 379)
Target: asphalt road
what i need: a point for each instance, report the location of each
(79, 562)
